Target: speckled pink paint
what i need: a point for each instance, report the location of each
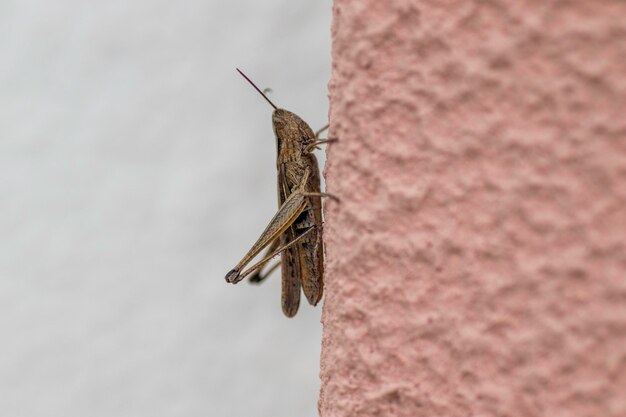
(476, 265)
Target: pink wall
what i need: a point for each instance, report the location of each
(477, 262)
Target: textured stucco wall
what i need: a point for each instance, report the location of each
(476, 264)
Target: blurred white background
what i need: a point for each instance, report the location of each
(136, 168)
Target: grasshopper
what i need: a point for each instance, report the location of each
(295, 231)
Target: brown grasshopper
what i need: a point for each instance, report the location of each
(295, 231)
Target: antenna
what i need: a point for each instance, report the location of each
(256, 88)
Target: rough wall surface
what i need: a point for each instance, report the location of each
(476, 264)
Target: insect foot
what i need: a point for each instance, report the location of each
(232, 276)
